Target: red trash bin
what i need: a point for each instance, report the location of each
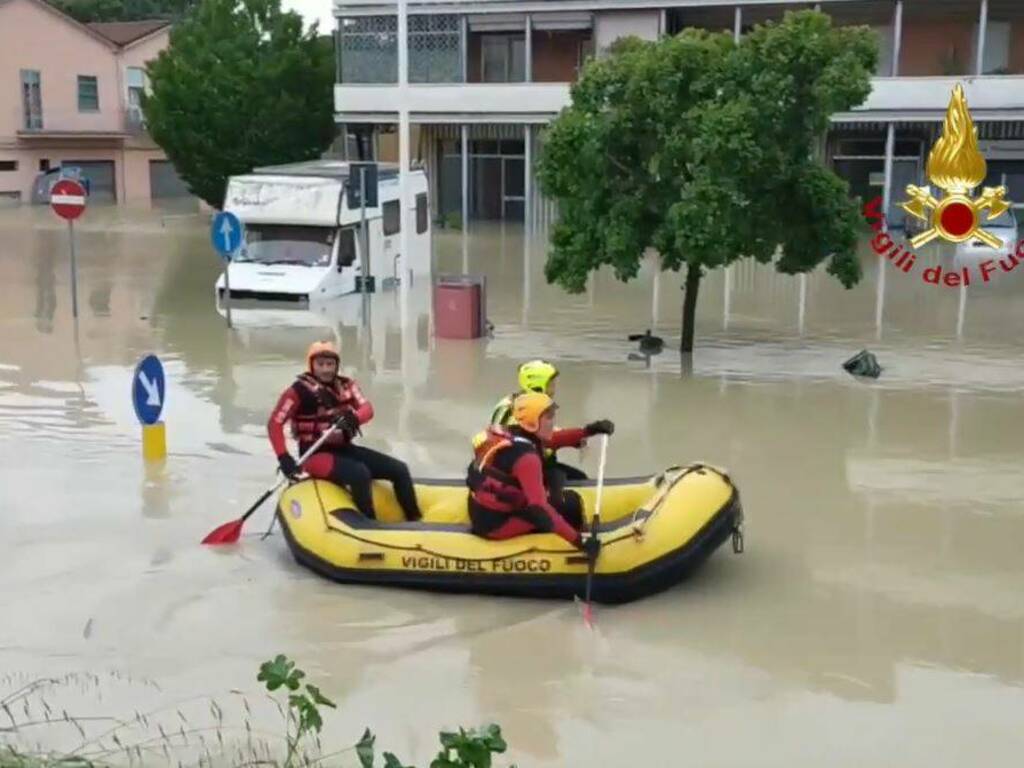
(458, 308)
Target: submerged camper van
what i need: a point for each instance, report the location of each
(302, 242)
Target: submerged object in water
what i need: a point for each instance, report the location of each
(648, 343)
(864, 363)
(654, 531)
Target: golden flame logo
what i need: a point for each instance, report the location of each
(956, 166)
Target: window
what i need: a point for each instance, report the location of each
(135, 82)
(88, 94)
(44, 164)
(435, 48)
(367, 49)
(31, 100)
(8, 165)
(421, 213)
(503, 58)
(288, 244)
(347, 247)
(392, 218)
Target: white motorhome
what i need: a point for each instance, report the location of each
(302, 242)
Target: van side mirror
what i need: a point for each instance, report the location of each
(346, 249)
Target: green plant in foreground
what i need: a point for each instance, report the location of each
(303, 706)
(464, 749)
(108, 741)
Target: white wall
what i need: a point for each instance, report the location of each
(611, 25)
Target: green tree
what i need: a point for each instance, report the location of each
(124, 10)
(703, 150)
(240, 85)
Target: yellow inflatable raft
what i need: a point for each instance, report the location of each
(654, 531)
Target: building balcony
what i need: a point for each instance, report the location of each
(107, 125)
(925, 99)
(450, 48)
(990, 97)
(463, 103)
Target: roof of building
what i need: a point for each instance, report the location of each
(68, 20)
(127, 32)
(324, 168)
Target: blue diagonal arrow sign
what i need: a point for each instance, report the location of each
(148, 389)
(226, 234)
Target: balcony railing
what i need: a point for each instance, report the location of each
(444, 49)
(105, 123)
(936, 40)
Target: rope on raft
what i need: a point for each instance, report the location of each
(425, 550)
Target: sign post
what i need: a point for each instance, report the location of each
(226, 235)
(148, 394)
(368, 197)
(67, 198)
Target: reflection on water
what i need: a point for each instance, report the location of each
(879, 595)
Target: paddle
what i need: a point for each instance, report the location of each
(595, 522)
(229, 533)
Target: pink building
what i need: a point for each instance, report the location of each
(75, 100)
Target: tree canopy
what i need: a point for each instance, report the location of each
(124, 10)
(240, 85)
(704, 150)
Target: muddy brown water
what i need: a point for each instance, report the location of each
(876, 617)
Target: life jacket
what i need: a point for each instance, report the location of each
(490, 477)
(320, 405)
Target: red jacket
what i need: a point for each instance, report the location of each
(511, 475)
(312, 407)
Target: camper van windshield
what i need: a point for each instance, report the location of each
(283, 244)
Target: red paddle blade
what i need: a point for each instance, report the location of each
(229, 533)
(588, 615)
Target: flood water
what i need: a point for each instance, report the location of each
(876, 617)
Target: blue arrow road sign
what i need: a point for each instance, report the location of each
(226, 234)
(148, 389)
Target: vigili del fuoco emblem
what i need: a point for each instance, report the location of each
(956, 166)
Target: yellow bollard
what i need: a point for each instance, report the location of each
(154, 442)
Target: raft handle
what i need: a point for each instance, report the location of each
(364, 556)
(576, 560)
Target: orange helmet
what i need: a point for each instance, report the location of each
(529, 407)
(321, 349)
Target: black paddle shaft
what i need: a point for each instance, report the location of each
(266, 495)
(302, 460)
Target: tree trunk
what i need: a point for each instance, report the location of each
(689, 307)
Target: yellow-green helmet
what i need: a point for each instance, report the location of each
(536, 375)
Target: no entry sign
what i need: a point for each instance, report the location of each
(67, 198)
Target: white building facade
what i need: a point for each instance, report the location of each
(485, 76)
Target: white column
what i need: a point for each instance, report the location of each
(403, 149)
(737, 23)
(464, 44)
(465, 198)
(655, 290)
(663, 23)
(529, 48)
(527, 178)
(727, 296)
(802, 312)
(527, 276)
(890, 141)
(897, 38)
(982, 30)
(465, 175)
(961, 311)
